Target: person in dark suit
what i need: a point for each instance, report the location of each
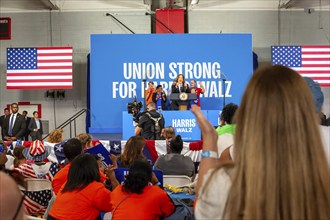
(27, 121)
(2, 121)
(159, 98)
(178, 86)
(14, 126)
(35, 127)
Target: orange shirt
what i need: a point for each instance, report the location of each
(148, 95)
(153, 203)
(62, 176)
(84, 204)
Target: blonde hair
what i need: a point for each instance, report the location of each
(85, 139)
(55, 136)
(280, 171)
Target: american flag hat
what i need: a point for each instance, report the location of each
(36, 152)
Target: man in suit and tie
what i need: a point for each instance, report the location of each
(14, 126)
(35, 127)
(27, 122)
(2, 121)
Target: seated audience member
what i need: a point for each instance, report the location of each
(72, 148)
(168, 133)
(55, 136)
(133, 150)
(174, 163)
(11, 200)
(227, 116)
(137, 199)
(226, 131)
(36, 202)
(19, 157)
(318, 98)
(86, 140)
(83, 196)
(279, 158)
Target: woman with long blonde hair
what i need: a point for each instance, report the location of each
(280, 170)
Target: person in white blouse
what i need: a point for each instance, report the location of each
(280, 168)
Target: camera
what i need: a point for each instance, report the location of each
(134, 108)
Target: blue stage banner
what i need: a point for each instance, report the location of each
(119, 63)
(214, 117)
(184, 123)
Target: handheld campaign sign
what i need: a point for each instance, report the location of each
(119, 63)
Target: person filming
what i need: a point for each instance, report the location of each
(151, 123)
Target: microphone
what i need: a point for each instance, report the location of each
(224, 77)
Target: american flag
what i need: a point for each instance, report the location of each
(39, 68)
(37, 202)
(311, 61)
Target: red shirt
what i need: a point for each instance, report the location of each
(84, 204)
(153, 203)
(62, 176)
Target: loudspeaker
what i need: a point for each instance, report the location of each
(60, 94)
(50, 93)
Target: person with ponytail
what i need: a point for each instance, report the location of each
(174, 163)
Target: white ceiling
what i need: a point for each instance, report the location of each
(139, 5)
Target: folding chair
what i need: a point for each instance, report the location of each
(177, 180)
(34, 185)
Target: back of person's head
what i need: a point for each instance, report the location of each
(83, 171)
(280, 170)
(176, 144)
(151, 106)
(72, 148)
(11, 200)
(133, 150)
(85, 139)
(228, 112)
(55, 136)
(18, 154)
(138, 177)
(169, 132)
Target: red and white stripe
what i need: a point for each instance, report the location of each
(54, 71)
(315, 64)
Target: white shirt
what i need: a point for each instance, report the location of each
(212, 199)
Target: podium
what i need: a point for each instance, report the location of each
(181, 101)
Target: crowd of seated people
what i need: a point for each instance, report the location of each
(280, 169)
